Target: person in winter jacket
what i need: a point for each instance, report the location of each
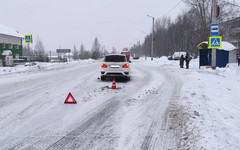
(181, 61)
(238, 59)
(187, 59)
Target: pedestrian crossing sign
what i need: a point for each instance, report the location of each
(215, 42)
(28, 38)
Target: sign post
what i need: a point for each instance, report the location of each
(214, 22)
(28, 40)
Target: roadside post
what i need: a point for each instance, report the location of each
(152, 36)
(214, 42)
(28, 40)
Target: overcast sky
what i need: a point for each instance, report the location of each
(63, 23)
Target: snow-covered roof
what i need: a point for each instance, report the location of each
(9, 31)
(225, 46)
(7, 52)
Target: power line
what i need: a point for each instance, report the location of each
(231, 3)
(173, 8)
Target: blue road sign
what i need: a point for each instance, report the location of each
(28, 38)
(215, 42)
(214, 29)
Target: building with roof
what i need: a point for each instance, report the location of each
(10, 45)
(227, 54)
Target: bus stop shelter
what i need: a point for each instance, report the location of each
(225, 55)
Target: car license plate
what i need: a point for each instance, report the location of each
(114, 66)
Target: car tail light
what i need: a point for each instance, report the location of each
(126, 66)
(103, 65)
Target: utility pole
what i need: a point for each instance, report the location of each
(50, 56)
(152, 37)
(214, 21)
(28, 52)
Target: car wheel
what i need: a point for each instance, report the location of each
(103, 78)
(127, 78)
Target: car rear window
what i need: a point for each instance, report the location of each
(115, 58)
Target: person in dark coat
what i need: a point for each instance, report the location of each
(238, 59)
(181, 61)
(187, 59)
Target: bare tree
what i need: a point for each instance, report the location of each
(39, 51)
(204, 11)
(96, 49)
(189, 29)
(103, 51)
(114, 51)
(75, 53)
(81, 52)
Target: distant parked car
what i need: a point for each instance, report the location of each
(30, 64)
(136, 57)
(170, 58)
(177, 55)
(115, 65)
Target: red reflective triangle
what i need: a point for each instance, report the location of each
(70, 99)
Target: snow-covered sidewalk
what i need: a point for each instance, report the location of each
(209, 107)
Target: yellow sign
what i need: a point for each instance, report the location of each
(215, 42)
(28, 38)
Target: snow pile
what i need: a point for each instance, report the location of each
(42, 66)
(211, 107)
(208, 108)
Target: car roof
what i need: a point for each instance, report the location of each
(115, 55)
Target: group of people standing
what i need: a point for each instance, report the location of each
(187, 59)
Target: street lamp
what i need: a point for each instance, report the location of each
(152, 37)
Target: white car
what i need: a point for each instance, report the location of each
(30, 64)
(115, 65)
(177, 55)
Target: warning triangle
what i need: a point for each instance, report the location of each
(70, 99)
(215, 43)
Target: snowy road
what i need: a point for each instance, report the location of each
(137, 116)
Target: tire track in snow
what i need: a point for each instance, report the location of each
(28, 106)
(105, 111)
(159, 136)
(108, 109)
(97, 120)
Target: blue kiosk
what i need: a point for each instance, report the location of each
(225, 55)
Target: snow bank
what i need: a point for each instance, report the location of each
(42, 66)
(208, 107)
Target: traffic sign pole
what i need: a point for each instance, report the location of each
(214, 21)
(28, 52)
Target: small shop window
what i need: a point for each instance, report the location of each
(4, 45)
(10, 46)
